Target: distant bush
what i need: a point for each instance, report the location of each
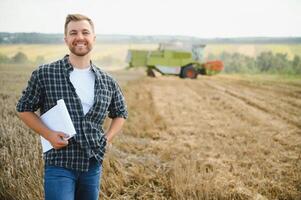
(266, 62)
(20, 57)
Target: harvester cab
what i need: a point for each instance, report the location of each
(183, 60)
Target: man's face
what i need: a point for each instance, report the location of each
(79, 37)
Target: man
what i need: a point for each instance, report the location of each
(73, 167)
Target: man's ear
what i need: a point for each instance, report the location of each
(65, 39)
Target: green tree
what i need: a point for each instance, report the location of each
(264, 61)
(281, 63)
(296, 64)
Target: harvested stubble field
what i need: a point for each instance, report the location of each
(221, 137)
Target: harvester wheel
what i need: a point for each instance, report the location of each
(189, 72)
(150, 72)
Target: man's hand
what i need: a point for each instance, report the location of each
(115, 127)
(58, 139)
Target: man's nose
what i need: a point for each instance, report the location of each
(80, 36)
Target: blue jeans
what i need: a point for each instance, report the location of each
(65, 184)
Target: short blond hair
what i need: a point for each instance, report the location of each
(77, 17)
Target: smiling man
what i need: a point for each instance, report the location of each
(73, 167)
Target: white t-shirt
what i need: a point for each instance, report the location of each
(83, 81)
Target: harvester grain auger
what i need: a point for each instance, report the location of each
(174, 59)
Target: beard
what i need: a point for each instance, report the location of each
(80, 51)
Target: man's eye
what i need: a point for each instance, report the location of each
(86, 33)
(72, 33)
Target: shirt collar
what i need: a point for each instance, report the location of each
(67, 64)
(69, 67)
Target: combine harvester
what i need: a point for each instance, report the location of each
(184, 61)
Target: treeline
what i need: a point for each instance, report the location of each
(265, 62)
(42, 38)
(30, 38)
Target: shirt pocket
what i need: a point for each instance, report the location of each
(102, 103)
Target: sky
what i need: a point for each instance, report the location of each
(199, 18)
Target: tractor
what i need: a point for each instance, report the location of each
(174, 59)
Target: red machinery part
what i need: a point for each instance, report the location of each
(215, 65)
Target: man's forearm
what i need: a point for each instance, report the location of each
(57, 139)
(35, 123)
(115, 127)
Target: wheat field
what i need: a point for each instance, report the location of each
(218, 137)
(221, 137)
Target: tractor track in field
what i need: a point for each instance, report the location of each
(284, 107)
(205, 99)
(259, 103)
(243, 132)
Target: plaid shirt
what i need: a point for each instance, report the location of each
(49, 83)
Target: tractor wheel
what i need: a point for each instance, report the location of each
(150, 72)
(189, 72)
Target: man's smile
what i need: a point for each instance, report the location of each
(80, 44)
